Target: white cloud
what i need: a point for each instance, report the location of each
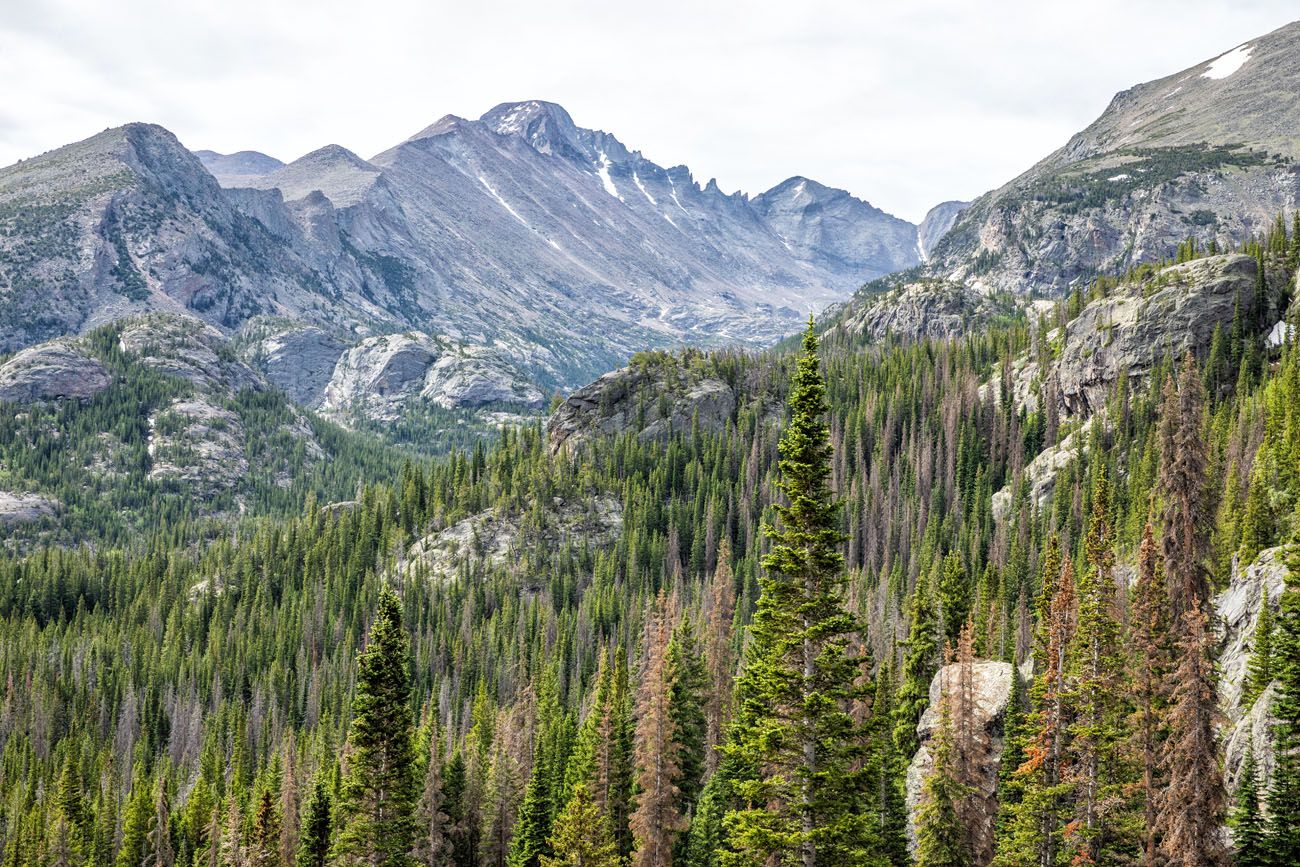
(904, 104)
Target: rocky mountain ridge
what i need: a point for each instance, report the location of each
(554, 252)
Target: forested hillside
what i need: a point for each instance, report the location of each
(706, 640)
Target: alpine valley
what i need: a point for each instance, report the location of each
(505, 499)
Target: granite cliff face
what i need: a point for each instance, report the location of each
(938, 220)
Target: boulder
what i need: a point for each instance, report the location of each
(992, 693)
(59, 370)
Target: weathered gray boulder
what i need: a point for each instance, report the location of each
(25, 508)
(1133, 330)
(991, 694)
(57, 370)
(653, 399)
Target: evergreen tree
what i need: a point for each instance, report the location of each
(687, 708)
(161, 852)
(942, 839)
(1187, 520)
(794, 734)
(264, 844)
(1284, 793)
(378, 795)
(920, 661)
(1151, 664)
(314, 843)
(1259, 670)
(581, 837)
(432, 839)
(1036, 826)
(1104, 827)
(1250, 845)
(719, 654)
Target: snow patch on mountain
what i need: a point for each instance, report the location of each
(1226, 64)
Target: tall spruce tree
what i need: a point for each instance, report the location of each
(794, 735)
(1104, 826)
(379, 795)
(1250, 845)
(314, 843)
(1284, 792)
(657, 819)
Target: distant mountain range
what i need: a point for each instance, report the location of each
(546, 251)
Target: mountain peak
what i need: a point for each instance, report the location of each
(546, 126)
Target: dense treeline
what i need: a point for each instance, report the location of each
(734, 679)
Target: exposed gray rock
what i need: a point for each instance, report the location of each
(655, 398)
(199, 444)
(492, 539)
(1041, 472)
(1237, 610)
(918, 308)
(1136, 328)
(52, 371)
(188, 349)
(991, 693)
(476, 376)
(299, 360)
(379, 375)
(25, 508)
(936, 223)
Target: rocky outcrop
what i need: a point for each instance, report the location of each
(1237, 609)
(476, 376)
(188, 349)
(1171, 312)
(654, 398)
(381, 376)
(18, 509)
(913, 309)
(1041, 472)
(494, 539)
(53, 371)
(298, 359)
(198, 444)
(991, 693)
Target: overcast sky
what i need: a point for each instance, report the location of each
(904, 103)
